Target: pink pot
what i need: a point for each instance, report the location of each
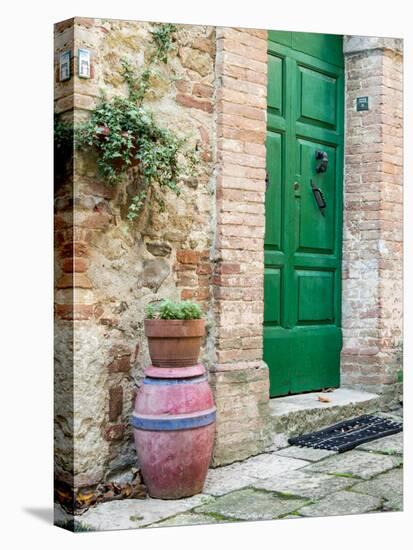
(174, 428)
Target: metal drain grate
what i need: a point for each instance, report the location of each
(348, 434)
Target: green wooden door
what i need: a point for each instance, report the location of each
(302, 278)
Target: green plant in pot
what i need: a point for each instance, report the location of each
(174, 331)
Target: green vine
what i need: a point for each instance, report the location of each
(125, 134)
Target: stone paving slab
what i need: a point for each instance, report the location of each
(355, 463)
(132, 513)
(391, 445)
(252, 505)
(342, 503)
(310, 485)
(305, 453)
(223, 480)
(189, 518)
(241, 474)
(388, 485)
(267, 465)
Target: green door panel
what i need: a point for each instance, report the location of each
(275, 91)
(302, 247)
(300, 350)
(273, 197)
(327, 47)
(315, 233)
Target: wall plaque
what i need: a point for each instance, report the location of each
(362, 103)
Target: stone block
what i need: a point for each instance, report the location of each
(129, 514)
(341, 504)
(305, 453)
(251, 505)
(305, 484)
(388, 485)
(391, 445)
(115, 402)
(354, 463)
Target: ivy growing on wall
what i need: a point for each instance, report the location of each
(124, 133)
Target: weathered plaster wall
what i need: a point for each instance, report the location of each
(373, 217)
(110, 269)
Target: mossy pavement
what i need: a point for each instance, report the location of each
(283, 484)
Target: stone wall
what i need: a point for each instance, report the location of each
(373, 217)
(108, 269)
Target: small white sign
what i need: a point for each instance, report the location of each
(64, 66)
(84, 63)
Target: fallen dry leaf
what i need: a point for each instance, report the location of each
(324, 399)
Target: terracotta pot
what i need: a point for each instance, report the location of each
(174, 343)
(174, 427)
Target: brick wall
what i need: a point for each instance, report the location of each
(372, 251)
(238, 375)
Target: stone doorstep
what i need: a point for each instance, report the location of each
(301, 413)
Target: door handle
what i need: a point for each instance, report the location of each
(319, 197)
(322, 157)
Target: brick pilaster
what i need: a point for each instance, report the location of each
(239, 376)
(372, 248)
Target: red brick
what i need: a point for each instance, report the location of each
(79, 265)
(74, 280)
(183, 85)
(204, 269)
(202, 294)
(119, 350)
(120, 364)
(79, 249)
(115, 402)
(187, 294)
(189, 101)
(202, 90)
(204, 280)
(187, 256)
(114, 432)
(228, 269)
(185, 268)
(252, 136)
(74, 312)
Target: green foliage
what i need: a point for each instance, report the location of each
(150, 311)
(124, 133)
(63, 151)
(63, 134)
(167, 309)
